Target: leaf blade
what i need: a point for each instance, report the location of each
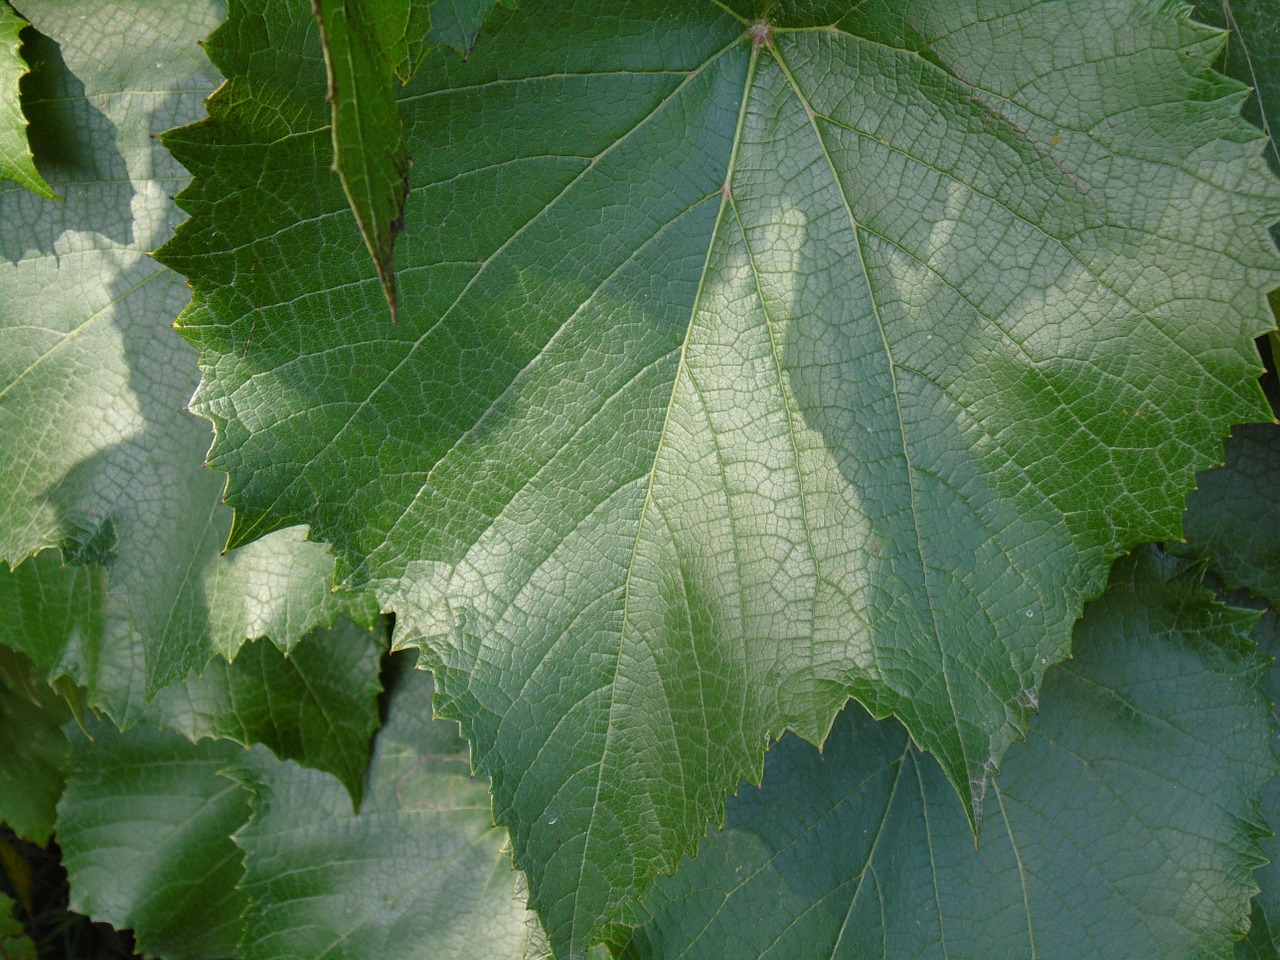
(765, 579)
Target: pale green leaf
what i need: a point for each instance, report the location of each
(742, 368)
(16, 162)
(145, 828)
(1126, 826)
(33, 750)
(100, 456)
(419, 872)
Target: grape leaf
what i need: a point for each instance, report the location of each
(1263, 941)
(419, 872)
(317, 706)
(34, 749)
(101, 457)
(457, 22)
(14, 943)
(1127, 825)
(145, 828)
(16, 163)
(743, 367)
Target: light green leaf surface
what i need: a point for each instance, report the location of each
(420, 872)
(1233, 518)
(1126, 826)
(740, 369)
(33, 750)
(145, 828)
(14, 943)
(370, 154)
(100, 456)
(16, 163)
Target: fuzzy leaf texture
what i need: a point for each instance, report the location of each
(100, 457)
(1127, 825)
(741, 368)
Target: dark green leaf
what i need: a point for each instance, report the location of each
(370, 154)
(16, 163)
(741, 368)
(420, 872)
(14, 943)
(33, 751)
(318, 705)
(145, 828)
(457, 22)
(1253, 57)
(1233, 517)
(1263, 941)
(1125, 827)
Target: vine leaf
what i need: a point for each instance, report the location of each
(16, 162)
(741, 368)
(318, 705)
(1141, 771)
(286, 869)
(141, 810)
(101, 458)
(1232, 515)
(14, 942)
(420, 871)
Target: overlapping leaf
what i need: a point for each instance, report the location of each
(317, 706)
(1253, 57)
(742, 367)
(16, 163)
(145, 828)
(100, 457)
(365, 45)
(14, 943)
(419, 872)
(1127, 825)
(1233, 516)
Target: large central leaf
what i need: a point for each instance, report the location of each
(742, 367)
